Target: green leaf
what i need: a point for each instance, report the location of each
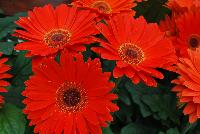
(7, 24)
(193, 128)
(159, 102)
(135, 128)
(123, 95)
(171, 131)
(107, 131)
(108, 65)
(12, 121)
(125, 112)
(152, 10)
(14, 96)
(7, 47)
(136, 93)
(21, 69)
(162, 105)
(29, 130)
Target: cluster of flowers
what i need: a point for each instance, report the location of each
(74, 96)
(182, 28)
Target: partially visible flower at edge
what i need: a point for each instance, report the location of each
(189, 32)
(107, 8)
(179, 7)
(188, 84)
(3, 69)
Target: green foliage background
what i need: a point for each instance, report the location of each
(143, 110)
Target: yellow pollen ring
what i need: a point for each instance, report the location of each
(57, 38)
(131, 53)
(80, 100)
(102, 6)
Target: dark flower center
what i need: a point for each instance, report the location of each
(131, 53)
(57, 38)
(71, 97)
(102, 6)
(194, 41)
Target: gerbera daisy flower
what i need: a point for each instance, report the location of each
(38, 60)
(168, 25)
(189, 32)
(3, 69)
(181, 6)
(176, 8)
(107, 8)
(180, 3)
(71, 97)
(188, 84)
(48, 30)
(139, 48)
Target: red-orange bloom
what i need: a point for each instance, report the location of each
(137, 47)
(184, 3)
(169, 27)
(48, 30)
(171, 31)
(188, 88)
(3, 69)
(72, 97)
(189, 32)
(181, 6)
(107, 7)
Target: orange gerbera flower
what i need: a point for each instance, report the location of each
(169, 27)
(49, 30)
(3, 74)
(189, 32)
(107, 7)
(137, 47)
(71, 97)
(180, 6)
(171, 31)
(188, 88)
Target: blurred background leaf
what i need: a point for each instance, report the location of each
(7, 24)
(152, 10)
(7, 47)
(12, 121)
